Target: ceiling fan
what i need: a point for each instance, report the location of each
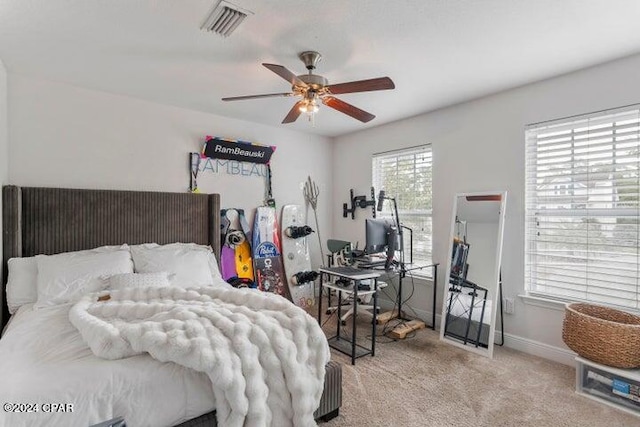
(314, 88)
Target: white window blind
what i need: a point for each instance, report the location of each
(406, 175)
(582, 210)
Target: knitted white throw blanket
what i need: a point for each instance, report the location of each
(265, 356)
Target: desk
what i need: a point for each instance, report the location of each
(355, 277)
(401, 270)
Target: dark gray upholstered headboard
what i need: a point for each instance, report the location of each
(54, 220)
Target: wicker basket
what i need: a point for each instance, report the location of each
(602, 334)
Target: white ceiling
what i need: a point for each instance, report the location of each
(438, 52)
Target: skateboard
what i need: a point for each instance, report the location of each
(236, 265)
(267, 257)
(227, 262)
(244, 262)
(296, 258)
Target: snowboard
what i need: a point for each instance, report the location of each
(296, 257)
(267, 259)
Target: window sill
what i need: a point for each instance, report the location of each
(548, 303)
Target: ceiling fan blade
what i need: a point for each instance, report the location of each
(266, 95)
(294, 113)
(381, 83)
(347, 109)
(286, 74)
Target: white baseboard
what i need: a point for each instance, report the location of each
(537, 348)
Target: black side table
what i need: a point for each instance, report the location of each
(355, 276)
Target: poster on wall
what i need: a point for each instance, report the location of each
(221, 161)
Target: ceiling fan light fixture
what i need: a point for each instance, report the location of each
(309, 106)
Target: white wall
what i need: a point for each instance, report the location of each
(66, 136)
(479, 146)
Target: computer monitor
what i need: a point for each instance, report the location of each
(381, 236)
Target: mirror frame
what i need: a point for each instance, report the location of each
(495, 304)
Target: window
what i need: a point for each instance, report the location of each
(582, 210)
(406, 176)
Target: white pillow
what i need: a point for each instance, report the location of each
(137, 280)
(213, 264)
(65, 277)
(190, 264)
(144, 246)
(22, 282)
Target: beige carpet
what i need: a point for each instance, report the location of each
(425, 382)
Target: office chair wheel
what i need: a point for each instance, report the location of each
(343, 322)
(328, 312)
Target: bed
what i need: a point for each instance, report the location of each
(52, 221)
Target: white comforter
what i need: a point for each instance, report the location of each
(265, 356)
(44, 361)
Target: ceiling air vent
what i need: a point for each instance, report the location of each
(224, 18)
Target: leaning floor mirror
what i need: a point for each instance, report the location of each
(471, 290)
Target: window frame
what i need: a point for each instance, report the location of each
(426, 162)
(603, 148)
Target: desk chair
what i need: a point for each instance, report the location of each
(364, 308)
(339, 255)
(338, 251)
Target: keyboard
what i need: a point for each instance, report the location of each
(372, 264)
